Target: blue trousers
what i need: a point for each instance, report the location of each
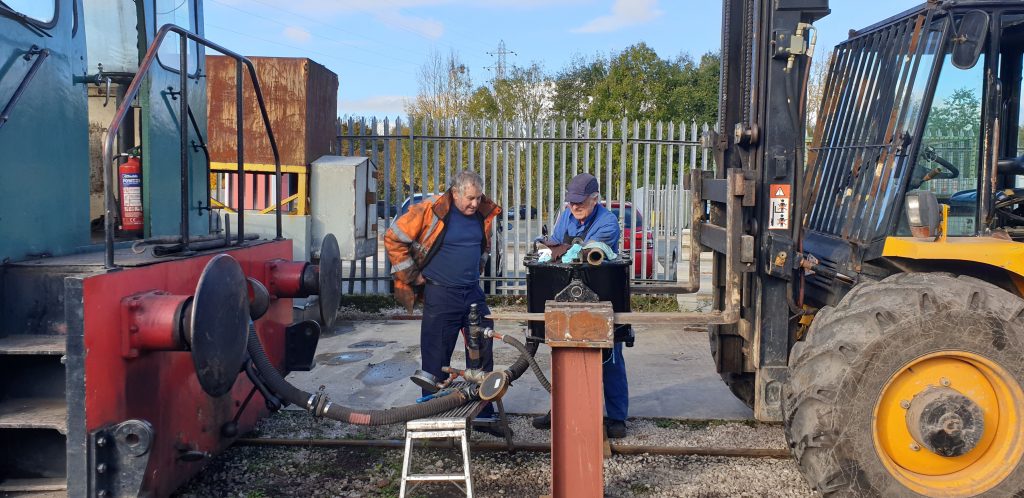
(616, 388)
(445, 315)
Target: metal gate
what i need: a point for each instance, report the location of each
(525, 167)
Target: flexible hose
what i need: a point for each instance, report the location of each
(526, 358)
(319, 405)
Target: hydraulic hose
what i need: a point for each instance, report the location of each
(525, 359)
(319, 405)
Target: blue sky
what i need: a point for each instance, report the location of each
(377, 46)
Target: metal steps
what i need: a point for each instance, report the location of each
(25, 344)
(34, 413)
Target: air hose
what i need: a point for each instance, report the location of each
(525, 359)
(320, 406)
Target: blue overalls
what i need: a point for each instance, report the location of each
(602, 226)
(453, 284)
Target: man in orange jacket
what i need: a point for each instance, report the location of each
(437, 253)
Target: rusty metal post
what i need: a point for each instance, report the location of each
(576, 333)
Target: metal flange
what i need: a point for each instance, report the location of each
(218, 326)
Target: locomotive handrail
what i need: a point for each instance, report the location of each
(41, 55)
(133, 91)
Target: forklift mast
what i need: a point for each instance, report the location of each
(765, 62)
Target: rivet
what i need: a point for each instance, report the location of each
(101, 441)
(944, 381)
(904, 404)
(101, 468)
(915, 447)
(101, 493)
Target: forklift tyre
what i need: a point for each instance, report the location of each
(878, 376)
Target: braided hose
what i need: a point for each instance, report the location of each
(525, 359)
(319, 405)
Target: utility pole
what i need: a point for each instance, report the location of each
(499, 67)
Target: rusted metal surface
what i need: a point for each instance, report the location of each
(578, 324)
(577, 452)
(303, 106)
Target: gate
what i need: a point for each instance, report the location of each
(525, 167)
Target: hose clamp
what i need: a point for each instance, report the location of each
(321, 403)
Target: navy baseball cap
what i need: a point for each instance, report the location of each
(580, 187)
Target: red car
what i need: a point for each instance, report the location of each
(643, 258)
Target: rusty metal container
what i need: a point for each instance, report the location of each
(302, 102)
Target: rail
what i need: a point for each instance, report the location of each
(40, 55)
(133, 91)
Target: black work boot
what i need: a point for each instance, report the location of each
(542, 422)
(616, 428)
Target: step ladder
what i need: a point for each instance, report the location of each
(455, 424)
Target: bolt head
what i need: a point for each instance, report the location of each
(101, 441)
(101, 468)
(944, 381)
(915, 447)
(904, 404)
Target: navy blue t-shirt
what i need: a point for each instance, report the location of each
(457, 262)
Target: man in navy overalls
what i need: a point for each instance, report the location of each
(588, 220)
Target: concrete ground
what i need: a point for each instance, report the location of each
(367, 364)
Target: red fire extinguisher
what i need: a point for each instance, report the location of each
(130, 179)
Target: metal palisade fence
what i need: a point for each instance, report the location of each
(525, 167)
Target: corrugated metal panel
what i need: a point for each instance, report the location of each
(302, 104)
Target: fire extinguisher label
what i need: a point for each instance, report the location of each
(131, 180)
(131, 201)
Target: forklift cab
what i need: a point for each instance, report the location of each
(976, 110)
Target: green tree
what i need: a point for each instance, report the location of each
(636, 87)
(961, 111)
(574, 86)
(694, 94)
(524, 94)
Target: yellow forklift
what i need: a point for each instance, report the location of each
(868, 285)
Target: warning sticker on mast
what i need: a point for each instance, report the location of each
(779, 219)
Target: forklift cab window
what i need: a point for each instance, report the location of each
(947, 163)
(43, 11)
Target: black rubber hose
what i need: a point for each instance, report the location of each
(515, 371)
(310, 402)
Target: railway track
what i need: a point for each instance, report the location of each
(615, 449)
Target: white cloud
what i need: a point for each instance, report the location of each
(297, 34)
(378, 105)
(625, 13)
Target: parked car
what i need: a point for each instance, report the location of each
(384, 210)
(644, 256)
(511, 213)
(499, 243)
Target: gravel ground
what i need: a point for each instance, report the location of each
(376, 472)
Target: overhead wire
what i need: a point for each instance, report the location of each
(306, 50)
(340, 42)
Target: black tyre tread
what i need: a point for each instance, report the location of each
(823, 361)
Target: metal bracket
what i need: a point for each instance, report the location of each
(118, 457)
(300, 342)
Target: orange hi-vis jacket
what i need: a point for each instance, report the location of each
(412, 240)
